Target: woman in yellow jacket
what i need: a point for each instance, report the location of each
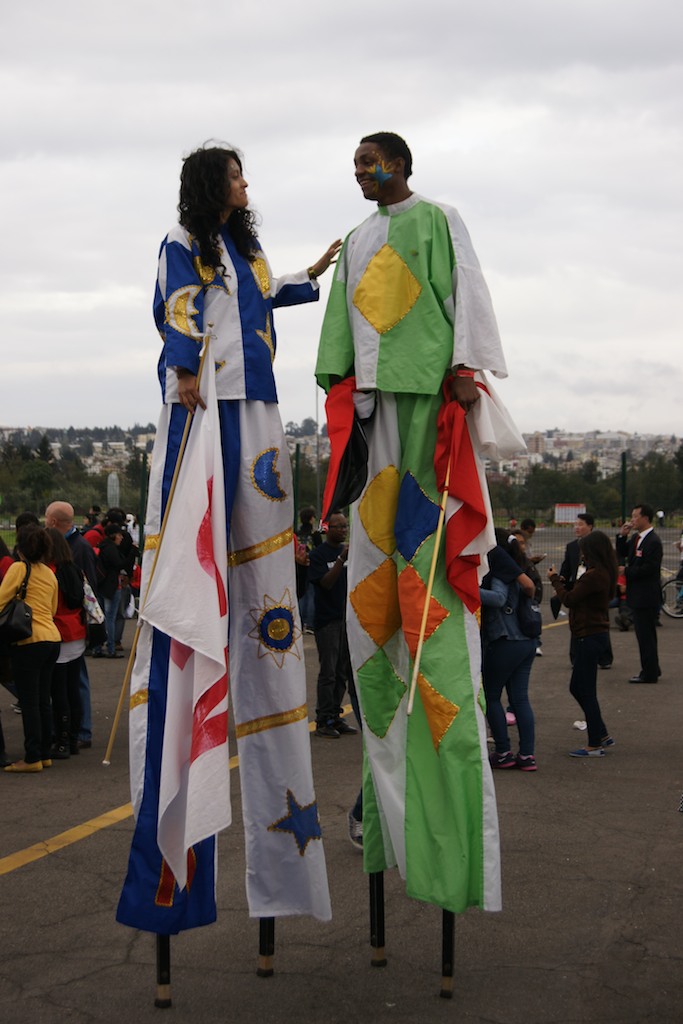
(33, 659)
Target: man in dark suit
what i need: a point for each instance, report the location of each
(643, 550)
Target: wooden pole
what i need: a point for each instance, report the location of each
(447, 954)
(266, 947)
(377, 919)
(430, 587)
(131, 658)
(163, 997)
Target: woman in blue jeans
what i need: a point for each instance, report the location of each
(588, 603)
(507, 653)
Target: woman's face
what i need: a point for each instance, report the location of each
(236, 189)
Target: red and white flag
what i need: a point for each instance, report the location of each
(187, 600)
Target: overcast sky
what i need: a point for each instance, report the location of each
(555, 128)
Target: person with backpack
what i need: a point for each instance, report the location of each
(70, 621)
(508, 651)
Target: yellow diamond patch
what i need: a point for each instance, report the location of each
(377, 509)
(440, 712)
(387, 291)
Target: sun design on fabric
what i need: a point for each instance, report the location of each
(275, 628)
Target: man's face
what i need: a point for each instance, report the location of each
(639, 521)
(336, 529)
(373, 170)
(581, 528)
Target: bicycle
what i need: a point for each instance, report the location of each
(672, 595)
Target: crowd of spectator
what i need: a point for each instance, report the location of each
(47, 672)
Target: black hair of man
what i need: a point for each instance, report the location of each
(588, 519)
(393, 146)
(26, 519)
(646, 511)
(528, 524)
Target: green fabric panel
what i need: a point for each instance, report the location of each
(374, 858)
(382, 692)
(414, 354)
(335, 352)
(444, 825)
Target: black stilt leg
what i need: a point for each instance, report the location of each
(163, 999)
(377, 919)
(266, 947)
(447, 954)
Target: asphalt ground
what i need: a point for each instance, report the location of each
(591, 855)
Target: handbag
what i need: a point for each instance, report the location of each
(16, 618)
(93, 611)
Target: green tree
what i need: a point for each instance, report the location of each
(37, 480)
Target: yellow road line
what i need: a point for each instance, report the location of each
(74, 835)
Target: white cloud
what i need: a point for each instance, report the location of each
(555, 128)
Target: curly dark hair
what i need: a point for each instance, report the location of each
(203, 190)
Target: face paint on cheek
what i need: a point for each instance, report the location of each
(380, 173)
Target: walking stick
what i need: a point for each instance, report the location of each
(377, 919)
(430, 587)
(131, 658)
(163, 996)
(266, 947)
(447, 954)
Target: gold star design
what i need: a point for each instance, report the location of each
(267, 336)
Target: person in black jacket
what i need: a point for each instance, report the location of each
(571, 570)
(110, 563)
(642, 554)
(60, 515)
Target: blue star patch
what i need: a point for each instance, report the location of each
(416, 517)
(302, 822)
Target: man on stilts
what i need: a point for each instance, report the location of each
(409, 319)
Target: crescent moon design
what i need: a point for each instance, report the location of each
(265, 475)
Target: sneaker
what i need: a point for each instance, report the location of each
(327, 731)
(579, 724)
(16, 708)
(607, 741)
(355, 831)
(343, 728)
(510, 718)
(584, 752)
(506, 760)
(526, 762)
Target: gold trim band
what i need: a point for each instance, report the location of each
(152, 542)
(264, 547)
(271, 721)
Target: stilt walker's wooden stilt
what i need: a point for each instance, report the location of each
(377, 919)
(266, 947)
(163, 999)
(447, 954)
